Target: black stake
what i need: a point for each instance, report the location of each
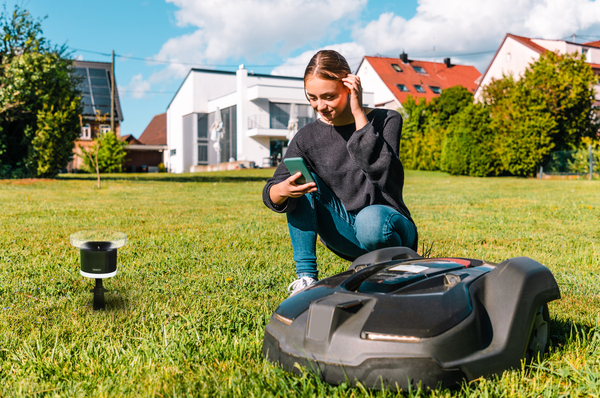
(98, 291)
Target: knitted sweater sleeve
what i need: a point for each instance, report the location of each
(375, 147)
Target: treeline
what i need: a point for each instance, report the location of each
(513, 130)
(39, 101)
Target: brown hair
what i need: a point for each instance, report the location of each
(328, 65)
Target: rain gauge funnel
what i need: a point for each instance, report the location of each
(98, 257)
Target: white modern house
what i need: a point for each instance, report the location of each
(517, 52)
(254, 109)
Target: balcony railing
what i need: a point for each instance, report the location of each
(275, 122)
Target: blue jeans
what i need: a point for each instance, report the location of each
(349, 233)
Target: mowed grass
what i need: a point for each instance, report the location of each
(206, 264)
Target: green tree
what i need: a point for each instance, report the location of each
(548, 109)
(39, 100)
(109, 151)
(470, 147)
(425, 126)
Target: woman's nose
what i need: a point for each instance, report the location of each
(320, 105)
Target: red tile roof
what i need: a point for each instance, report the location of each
(593, 44)
(156, 131)
(528, 42)
(129, 139)
(436, 74)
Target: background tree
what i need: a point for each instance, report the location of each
(548, 109)
(106, 154)
(470, 147)
(39, 100)
(425, 124)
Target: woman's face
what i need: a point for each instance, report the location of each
(328, 97)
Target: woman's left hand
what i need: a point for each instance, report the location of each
(352, 82)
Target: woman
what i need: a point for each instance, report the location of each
(355, 204)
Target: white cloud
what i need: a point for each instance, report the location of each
(467, 26)
(295, 66)
(249, 29)
(137, 87)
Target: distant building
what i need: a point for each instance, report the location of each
(95, 87)
(254, 108)
(516, 53)
(393, 80)
(149, 150)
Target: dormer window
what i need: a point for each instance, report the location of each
(397, 67)
(86, 132)
(419, 88)
(436, 89)
(419, 69)
(402, 87)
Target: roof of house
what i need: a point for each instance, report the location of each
(130, 140)
(156, 131)
(593, 44)
(95, 88)
(527, 42)
(535, 47)
(433, 74)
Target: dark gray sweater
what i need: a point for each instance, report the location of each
(361, 166)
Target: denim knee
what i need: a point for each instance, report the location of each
(380, 226)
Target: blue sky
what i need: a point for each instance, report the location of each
(279, 36)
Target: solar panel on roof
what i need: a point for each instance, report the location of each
(100, 82)
(94, 72)
(101, 91)
(102, 101)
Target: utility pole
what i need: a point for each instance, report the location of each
(112, 93)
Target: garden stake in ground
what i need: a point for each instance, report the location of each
(98, 258)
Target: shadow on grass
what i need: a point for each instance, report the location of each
(168, 178)
(560, 331)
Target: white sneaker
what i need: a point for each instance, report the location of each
(300, 284)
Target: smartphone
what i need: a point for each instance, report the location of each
(295, 165)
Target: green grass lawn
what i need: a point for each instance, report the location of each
(206, 264)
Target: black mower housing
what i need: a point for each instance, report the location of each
(395, 318)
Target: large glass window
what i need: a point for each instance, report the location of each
(229, 141)
(203, 138)
(280, 115)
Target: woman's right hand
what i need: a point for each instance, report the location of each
(289, 189)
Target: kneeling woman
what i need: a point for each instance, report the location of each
(355, 204)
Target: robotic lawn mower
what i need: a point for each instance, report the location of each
(396, 319)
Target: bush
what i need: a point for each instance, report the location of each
(470, 147)
(425, 126)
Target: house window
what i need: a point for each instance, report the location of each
(229, 141)
(419, 69)
(203, 138)
(173, 152)
(419, 88)
(402, 87)
(86, 132)
(280, 115)
(104, 128)
(585, 52)
(507, 57)
(397, 67)
(436, 89)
